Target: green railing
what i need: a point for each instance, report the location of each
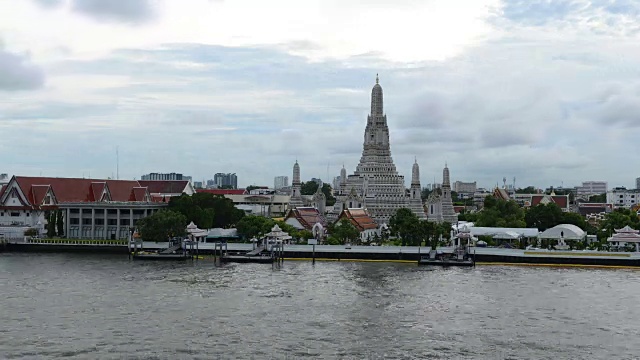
(78, 242)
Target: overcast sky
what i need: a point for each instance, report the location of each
(544, 91)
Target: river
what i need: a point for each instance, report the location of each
(56, 306)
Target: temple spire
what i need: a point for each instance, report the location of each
(377, 79)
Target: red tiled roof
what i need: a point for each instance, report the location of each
(561, 200)
(96, 190)
(37, 194)
(223, 191)
(68, 190)
(307, 217)
(164, 186)
(138, 194)
(458, 208)
(359, 218)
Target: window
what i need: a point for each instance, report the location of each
(74, 221)
(15, 214)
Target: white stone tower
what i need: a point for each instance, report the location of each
(376, 183)
(296, 187)
(448, 213)
(415, 193)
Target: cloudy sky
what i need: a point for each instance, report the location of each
(544, 91)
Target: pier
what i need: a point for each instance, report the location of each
(246, 252)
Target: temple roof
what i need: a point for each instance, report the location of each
(359, 218)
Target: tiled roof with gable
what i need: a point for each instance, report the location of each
(37, 194)
(164, 186)
(561, 200)
(75, 190)
(138, 194)
(359, 218)
(96, 190)
(307, 217)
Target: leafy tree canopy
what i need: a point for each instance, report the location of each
(207, 210)
(310, 188)
(162, 225)
(500, 213)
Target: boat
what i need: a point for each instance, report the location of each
(460, 257)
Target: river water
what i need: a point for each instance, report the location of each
(69, 306)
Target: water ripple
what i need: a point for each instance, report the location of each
(68, 306)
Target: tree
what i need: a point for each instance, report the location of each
(405, 224)
(424, 194)
(207, 210)
(31, 232)
(252, 187)
(545, 216)
(60, 223)
(310, 188)
(162, 225)
(254, 226)
(51, 224)
(527, 190)
(602, 198)
(344, 231)
(500, 213)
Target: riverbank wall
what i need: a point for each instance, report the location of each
(361, 253)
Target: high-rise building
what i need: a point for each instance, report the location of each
(280, 182)
(593, 188)
(226, 180)
(198, 184)
(638, 183)
(164, 177)
(464, 187)
(375, 185)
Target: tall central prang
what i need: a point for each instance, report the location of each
(375, 185)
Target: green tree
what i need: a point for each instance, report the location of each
(207, 210)
(60, 223)
(51, 224)
(500, 213)
(254, 226)
(406, 225)
(162, 225)
(618, 219)
(424, 194)
(527, 190)
(344, 231)
(310, 188)
(468, 216)
(31, 232)
(602, 198)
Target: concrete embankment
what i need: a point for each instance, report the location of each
(364, 253)
(67, 248)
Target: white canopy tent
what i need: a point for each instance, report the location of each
(564, 231)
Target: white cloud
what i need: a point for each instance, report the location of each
(18, 73)
(543, 92)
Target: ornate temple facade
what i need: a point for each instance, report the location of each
(376, 185)
(440, 206)
(415, 193)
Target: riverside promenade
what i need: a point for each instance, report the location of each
(346, 253)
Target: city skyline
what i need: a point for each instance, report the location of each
(544, 92)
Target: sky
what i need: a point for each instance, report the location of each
(546, 92)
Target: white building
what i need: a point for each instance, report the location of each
(280, 182)
(592, 188)
(91, 208)
(623, 197)
(464, 187)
